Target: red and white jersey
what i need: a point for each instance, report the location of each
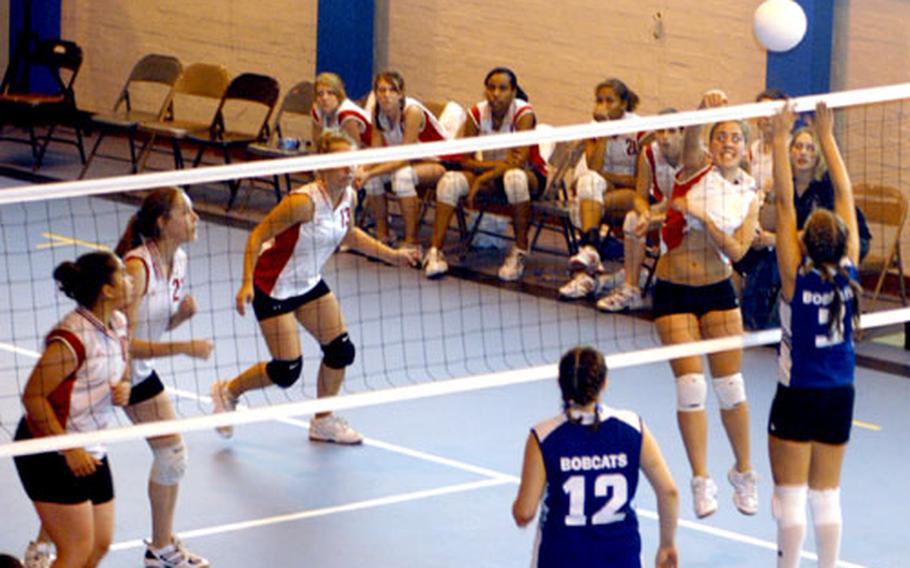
(663, 173)
(761, 165)
(291, 263)
(160, 299)
(432, 131)
(82, 402)
(482, 116)
(621, 151)
(348, 110)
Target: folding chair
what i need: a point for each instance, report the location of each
(199, 83)
(885, 209)
(554, 205)
(23, 108)
(155, 70)
(246, 90)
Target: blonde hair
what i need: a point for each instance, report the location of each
(331, 137)
(333, 82)
(821, 166)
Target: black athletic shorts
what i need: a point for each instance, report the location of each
(812, 414)
(47, 479)
(672, 298)
(149, 388)
(265, 306)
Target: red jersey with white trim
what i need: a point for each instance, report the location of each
(393, 134)
(82, 402)
(291, 263)
(663, 174)
(160, 299)
(347, 110)
(482, 116)
(621, 151)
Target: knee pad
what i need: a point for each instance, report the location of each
(730, 391)
(404, 182)
(375, 185)
(788, 505)
(515, 183)
(591, 187)
(339, 353)
(628, 225)
(452, 186)
(825, 505)
(691, 392)
(284, 373)
(169, 464)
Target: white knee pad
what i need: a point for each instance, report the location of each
(591, 187)
(788, 505)
(730, 390)
(375, 185)
(628, 225)
(825, 505)
(515, 182)
(169, 464)
(404, 182)
(451, 187)
(691, 392)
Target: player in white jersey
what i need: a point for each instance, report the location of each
(82, 372)
(332, 109)
(152, 248)
(582, 468)
(607, 188)
(399, 119)
(513, 176)
(282, 267)
(658, 165)
(811, 416)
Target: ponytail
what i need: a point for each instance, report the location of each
(83, 279)
(143, 225)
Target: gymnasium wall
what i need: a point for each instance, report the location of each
(4, 34)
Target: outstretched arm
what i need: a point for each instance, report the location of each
(840, 179)
(788, 249)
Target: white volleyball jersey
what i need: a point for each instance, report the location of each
(291, 263)
(393, 134)
(160, 299)
(663, 174)
(347, 110)
(482, 116)
(621, 151)
(82, 402)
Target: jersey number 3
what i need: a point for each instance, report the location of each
(612, 484)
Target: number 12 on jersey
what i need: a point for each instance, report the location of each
(606, 484)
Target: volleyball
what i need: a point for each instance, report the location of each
(779, 25)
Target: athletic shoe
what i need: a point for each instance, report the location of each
(334, 429)
(623, 298)
(174, 555)
(580, 286)
(587, 259)
(745, 490)
(434, 263)
(704, 496)
(223, 401)
(38, 555)
(514, 266)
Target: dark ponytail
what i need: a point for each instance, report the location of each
(513, 81)
(825, 238)
(143, 225)
(83, 279)
(582, 373)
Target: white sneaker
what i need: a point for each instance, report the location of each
(38, 555)
(587, 259)
(704, 496)
(623, 298)
(745, 490)
(334, 429)
(434, 263)
(513, 268)
(174, 555)
(580, 286)
(223, 401)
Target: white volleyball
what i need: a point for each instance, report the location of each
(779, 24)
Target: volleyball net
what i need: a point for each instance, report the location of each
(415, 337)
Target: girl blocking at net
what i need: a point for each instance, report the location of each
(812, 411)
(78, 379)
(584, 465)
(282, 277)
(152, 248)
(711, 223)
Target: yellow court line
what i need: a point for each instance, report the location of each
(60, 240)
(867, 425)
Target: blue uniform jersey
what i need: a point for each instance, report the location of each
(587, 518)
(809, 357)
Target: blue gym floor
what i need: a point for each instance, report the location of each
(434, 483)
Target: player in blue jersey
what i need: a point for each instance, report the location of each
(585, 462)
(813, 408)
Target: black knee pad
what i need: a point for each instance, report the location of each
(339, 353)
(284, 373)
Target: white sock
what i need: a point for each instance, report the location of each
(789, 508)
(828, 520)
